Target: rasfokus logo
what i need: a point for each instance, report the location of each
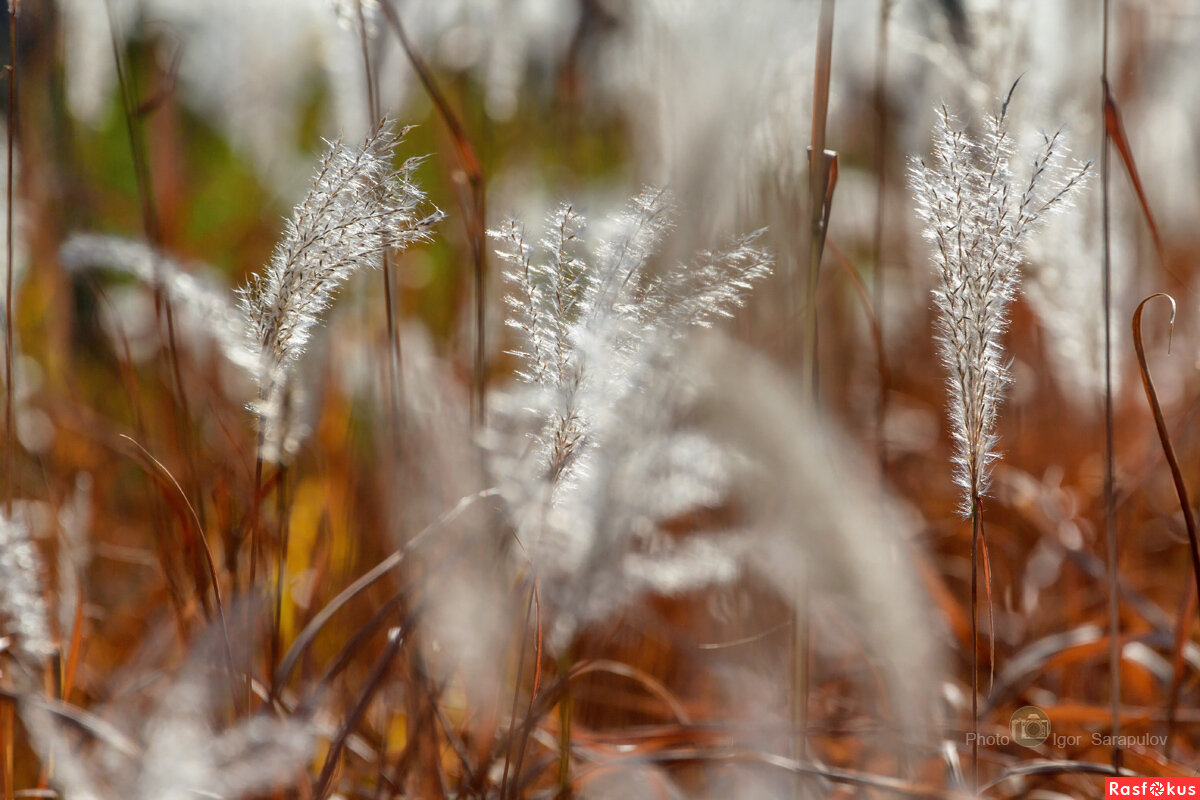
(1152, 787)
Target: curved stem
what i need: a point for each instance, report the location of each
(1180, 490)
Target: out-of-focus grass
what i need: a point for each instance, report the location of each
(346, 495)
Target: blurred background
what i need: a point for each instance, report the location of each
(195, 127)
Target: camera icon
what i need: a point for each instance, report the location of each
(1029, 726)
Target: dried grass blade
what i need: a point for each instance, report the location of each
(76, 649)
(1054, 768)
(871, 310)
(306, 636)
(1115, 130)
(158, 469)
(1178, 664)
(1185, 505)
(652, 684)
(987, 590)
(9, 393)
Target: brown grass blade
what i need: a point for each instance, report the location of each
(157, 469)
(372, 684)
(822, 174)
(10, 429)
(1178, 664)
(1054, 768)
(7, 773)
(652, 684)
(76, 647)
(1110, 515)
(152, 227)
(314, 626)
(508, 761)
(870, 309)
(1185, 506)
(1114, 128)
(91, 724)
(987, 591)
(7, 723)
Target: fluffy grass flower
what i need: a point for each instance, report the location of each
(359, 207)
(978, 218)
(599, 337)
(21, 603)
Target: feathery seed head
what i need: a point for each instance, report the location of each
(359, 207)
(22, 605)
(977, 219)
(169, 741)
(599, 337)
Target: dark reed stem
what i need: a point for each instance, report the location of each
(1114, 611)
(10, 429)
(474, 207)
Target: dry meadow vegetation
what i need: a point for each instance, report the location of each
(598, 398)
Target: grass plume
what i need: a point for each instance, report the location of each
(977, 218)
(358, 207)
(594, 329)
(22, 604)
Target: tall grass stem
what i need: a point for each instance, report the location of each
(1110, 512)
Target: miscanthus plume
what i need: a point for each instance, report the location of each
(164, 736)
(589, 319)
(977, 216)
(23, 612)
(597, 463)
(360, 206)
